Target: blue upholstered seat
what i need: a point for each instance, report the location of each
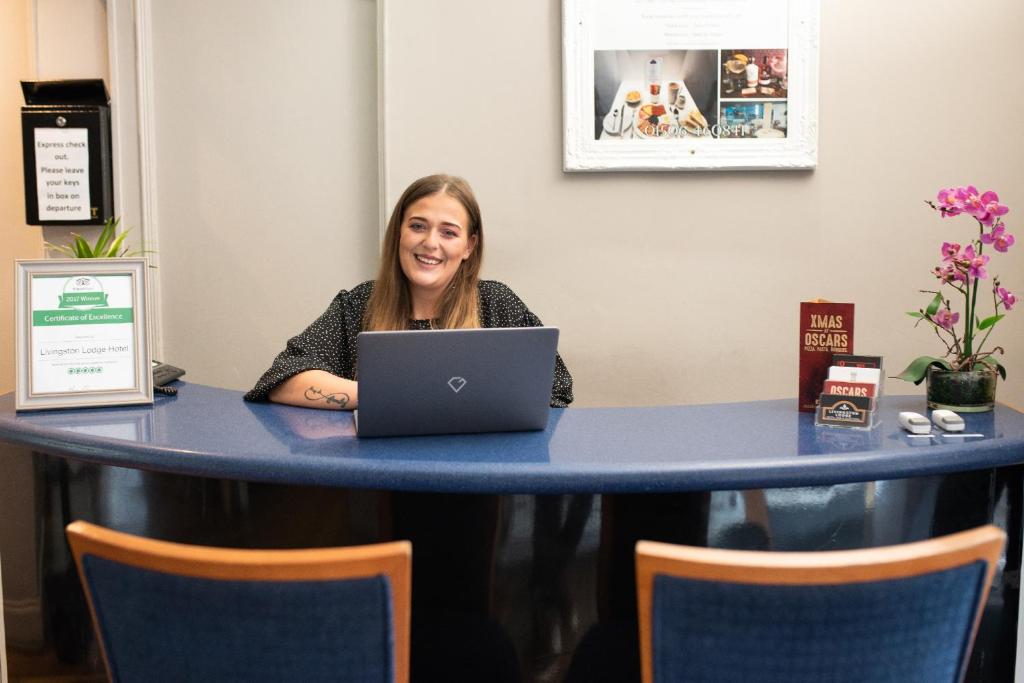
(158, 626)
(898, 614)
(173, 612)
(904, 630)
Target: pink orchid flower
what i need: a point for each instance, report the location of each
(990, 209)
(950, 251)
(1006, 297)
(945, 319)
(969, 199)
(948, 203)
(949, 274)
(1001, 239)
(975, 263)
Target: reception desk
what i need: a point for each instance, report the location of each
(522, 542)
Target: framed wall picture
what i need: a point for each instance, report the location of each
(690, 84)
(81, 333)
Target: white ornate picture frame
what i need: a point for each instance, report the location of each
(690, 84)
(81, 333)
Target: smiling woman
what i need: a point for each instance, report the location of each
(428, 279)
(433, 249)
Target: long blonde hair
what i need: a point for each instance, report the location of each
(390, 306)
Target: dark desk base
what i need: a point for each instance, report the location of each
(505, 587)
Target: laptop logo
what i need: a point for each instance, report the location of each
(456, 383)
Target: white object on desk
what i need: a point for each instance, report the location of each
(915, 423)
(947, 420)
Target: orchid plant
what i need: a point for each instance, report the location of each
(961, 273)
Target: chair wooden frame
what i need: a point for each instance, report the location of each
(393, 560)
(809, 568)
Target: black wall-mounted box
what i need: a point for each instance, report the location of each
(65, 135)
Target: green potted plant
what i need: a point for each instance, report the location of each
(964, 378)
(108, 245)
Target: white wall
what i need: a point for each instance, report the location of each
(669, 288)
(266, 173)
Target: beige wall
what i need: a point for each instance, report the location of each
(19, 240)
(669, 287)
(20, 616)
(71, 38)
(684, 287)
(266, 173)
(39, 39)
(70, 41)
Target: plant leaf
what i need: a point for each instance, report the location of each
(112, 250)
(82, 248)
(61, 248)
(918, 368)
(933, 307)
(990, 321)
(106, 235)
(915, 314)
(995, 365)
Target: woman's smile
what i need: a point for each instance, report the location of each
(428, 260)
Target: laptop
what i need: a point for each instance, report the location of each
(455, 381)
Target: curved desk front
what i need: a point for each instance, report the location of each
(525, 538)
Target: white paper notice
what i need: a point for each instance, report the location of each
(82, 333)
(690, 24)
(62, 173)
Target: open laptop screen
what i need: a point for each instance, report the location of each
(455, 381)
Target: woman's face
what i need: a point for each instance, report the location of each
(434, 242)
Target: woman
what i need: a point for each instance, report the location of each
(428, 278)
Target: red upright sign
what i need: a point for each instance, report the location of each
(825, 328)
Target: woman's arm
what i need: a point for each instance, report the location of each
(317, 389)
(328, 346)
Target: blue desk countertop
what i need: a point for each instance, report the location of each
(210, 432)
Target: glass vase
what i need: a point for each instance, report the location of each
(965, 391)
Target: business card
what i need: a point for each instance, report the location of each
(837, 387)
(852, 373)
(844, 411)
(848, 359)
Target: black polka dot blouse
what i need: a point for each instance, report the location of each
(329, 344)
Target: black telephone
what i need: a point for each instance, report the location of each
(165, 374)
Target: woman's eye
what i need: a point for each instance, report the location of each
(417, 227)
(450, 233)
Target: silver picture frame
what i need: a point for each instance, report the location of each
(67, 352)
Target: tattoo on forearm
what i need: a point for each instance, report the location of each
(339, 399)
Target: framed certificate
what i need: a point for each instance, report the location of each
(81, 333)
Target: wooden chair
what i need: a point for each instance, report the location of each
(167, 611)
(900, 613)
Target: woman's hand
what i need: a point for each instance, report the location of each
(317, 389)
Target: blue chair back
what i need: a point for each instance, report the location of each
(161, 623)
(904, 613)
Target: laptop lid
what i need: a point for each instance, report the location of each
(455, 381)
